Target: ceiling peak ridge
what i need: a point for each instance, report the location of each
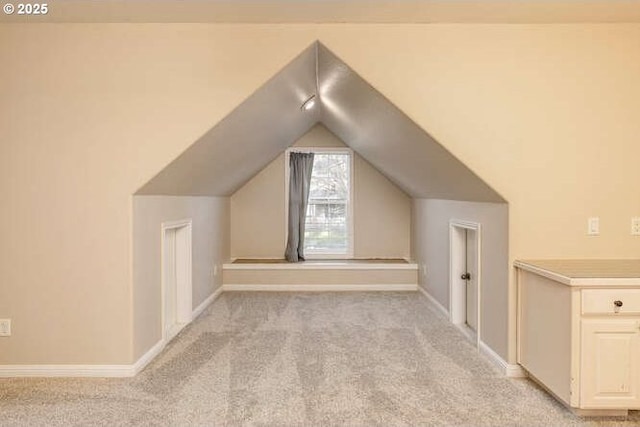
(270, 120)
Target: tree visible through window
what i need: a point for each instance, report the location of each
(327, 221)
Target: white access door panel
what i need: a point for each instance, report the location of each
(610, 363)
(169, 283)
(472, 281)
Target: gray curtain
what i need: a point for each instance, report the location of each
(300, 167)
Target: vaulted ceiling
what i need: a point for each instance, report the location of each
(272, 119)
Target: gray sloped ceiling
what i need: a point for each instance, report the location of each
(388, 139)
(271, 120)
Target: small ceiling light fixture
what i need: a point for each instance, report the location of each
(309, 103)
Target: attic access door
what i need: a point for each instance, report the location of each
(470, 276)
(464, 277)
(176, 277)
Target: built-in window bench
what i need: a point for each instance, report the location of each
(320, 275)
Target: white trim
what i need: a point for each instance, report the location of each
(337, 265)
(510, 370)
(578, 281)
(146, 358)
(469, 333)
(463, 223)
(455, 308)
(96, 371)
(184, 271)
(514, 370)
(324, 150)
(434, 301)
(204, 304)
(177, 223)
(319, 288)
(103, 371)
(621, 282)
(160, 345)
(100, 371)
(543, 272)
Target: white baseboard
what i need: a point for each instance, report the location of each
(434, 301)
(510, 370)
(515, 371)
(318, 288)
(146, 358)
(129, 370)
(211, 298)
(327, 265)
(96, 371)
(101, 371)
(160, 345)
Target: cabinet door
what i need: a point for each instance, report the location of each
(610, 363)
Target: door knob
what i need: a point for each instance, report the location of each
(466, 276)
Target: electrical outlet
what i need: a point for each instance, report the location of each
(424, 270)
(215, 270)
(5, 327)
(635, 226)
(593, 226)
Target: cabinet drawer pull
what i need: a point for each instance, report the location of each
(611, 301)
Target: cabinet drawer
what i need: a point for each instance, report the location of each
(602, 301)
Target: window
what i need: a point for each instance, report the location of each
(328, 228)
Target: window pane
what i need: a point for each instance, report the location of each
(326, 230)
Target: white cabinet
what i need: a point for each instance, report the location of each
(610, 351)
(579, 332)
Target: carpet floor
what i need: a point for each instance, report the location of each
(387, 359)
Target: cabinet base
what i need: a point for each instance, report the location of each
(600, 412)
(582, 412)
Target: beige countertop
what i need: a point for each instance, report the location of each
(586, 272)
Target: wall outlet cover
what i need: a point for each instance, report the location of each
(593, 226)
(635, 226)
(5, 327)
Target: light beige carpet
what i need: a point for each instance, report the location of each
(302, 359)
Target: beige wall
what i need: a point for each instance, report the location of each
(546, 114)
(381, 211)
(431, 249)
(210, 248)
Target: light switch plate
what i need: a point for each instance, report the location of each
(5, 327)
(635, 226)
(593, 226)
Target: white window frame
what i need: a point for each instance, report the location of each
(321, 150)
